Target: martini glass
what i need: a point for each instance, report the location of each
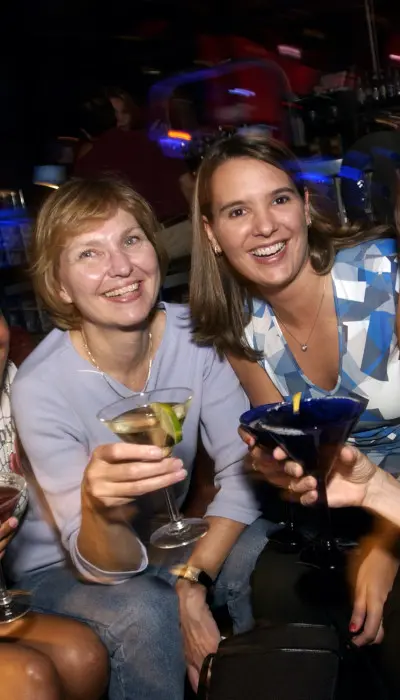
(156, 418)
(286, 539)
(313, 437)
(13, 605)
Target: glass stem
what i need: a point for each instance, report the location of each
(5, 599)
(173, 511)
(326, 518)
(290, 514)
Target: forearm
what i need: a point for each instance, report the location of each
(211, 551)
(109, 545)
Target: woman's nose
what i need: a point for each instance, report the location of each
(120, 264)
(265, 223)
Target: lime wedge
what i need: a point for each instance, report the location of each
(180, 410)
(169, 421)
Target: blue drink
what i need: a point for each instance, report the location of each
(312, 437)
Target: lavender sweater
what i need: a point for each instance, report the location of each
(55, 398)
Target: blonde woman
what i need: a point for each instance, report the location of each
(98, 268)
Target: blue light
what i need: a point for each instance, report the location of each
(242, 92)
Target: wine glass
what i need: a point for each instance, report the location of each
(13, 604)
(286, 539)
(156, 418)
(313, 437)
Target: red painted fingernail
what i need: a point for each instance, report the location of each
(353, 627)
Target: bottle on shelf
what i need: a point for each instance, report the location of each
(375, 88)
(390, 90)
(382, 88)
(360, 92)
(367, 90)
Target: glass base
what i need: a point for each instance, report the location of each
(286, 539)
(179, 534)
(324, 555)
(18, 606)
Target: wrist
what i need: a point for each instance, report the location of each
(96, 511)
(188, 590)
(191, 578)
(374, 490)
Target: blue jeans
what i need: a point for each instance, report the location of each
(138, 620)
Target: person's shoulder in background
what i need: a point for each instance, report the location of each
(22, 343)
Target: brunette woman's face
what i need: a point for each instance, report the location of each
(258, 221)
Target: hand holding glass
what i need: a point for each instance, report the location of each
(312, 436)
(156, 418)
(13, 605)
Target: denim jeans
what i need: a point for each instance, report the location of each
(138, 620)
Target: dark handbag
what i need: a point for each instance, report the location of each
(285, 662)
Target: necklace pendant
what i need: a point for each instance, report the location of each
(304, 347)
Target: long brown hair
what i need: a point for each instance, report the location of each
(220, 299)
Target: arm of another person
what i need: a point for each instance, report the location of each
(255, 381)
(58, 455)
(354, 481)
(233, 508)
(235, 504)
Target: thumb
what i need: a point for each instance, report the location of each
(349, 455)
(193, 675)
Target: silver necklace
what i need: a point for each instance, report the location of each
(304, 346)
(94, 363)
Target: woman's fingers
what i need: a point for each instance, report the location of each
(138, 471)
(304, 485)
(7, 531)
(293, 469)
(309, 498)
(126, 452)
(132, 489)
(246, 437)
(115, 482)
(279, 454)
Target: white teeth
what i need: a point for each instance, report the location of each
(123, 290)
(268, 250)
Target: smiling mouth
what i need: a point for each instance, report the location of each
(124, 290)
(269, 250)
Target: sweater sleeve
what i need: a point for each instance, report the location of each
(58, 453)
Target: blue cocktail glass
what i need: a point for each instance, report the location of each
(312, 437)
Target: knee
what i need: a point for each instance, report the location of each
(39, 671)
(28, 673)
(84, 664)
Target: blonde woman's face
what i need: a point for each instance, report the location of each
(258, 222)
(111, 274)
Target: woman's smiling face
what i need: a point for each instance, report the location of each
(258, 221)
(111, 273)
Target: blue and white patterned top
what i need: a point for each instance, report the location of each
(366, 287)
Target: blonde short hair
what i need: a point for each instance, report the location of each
(75, 208)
